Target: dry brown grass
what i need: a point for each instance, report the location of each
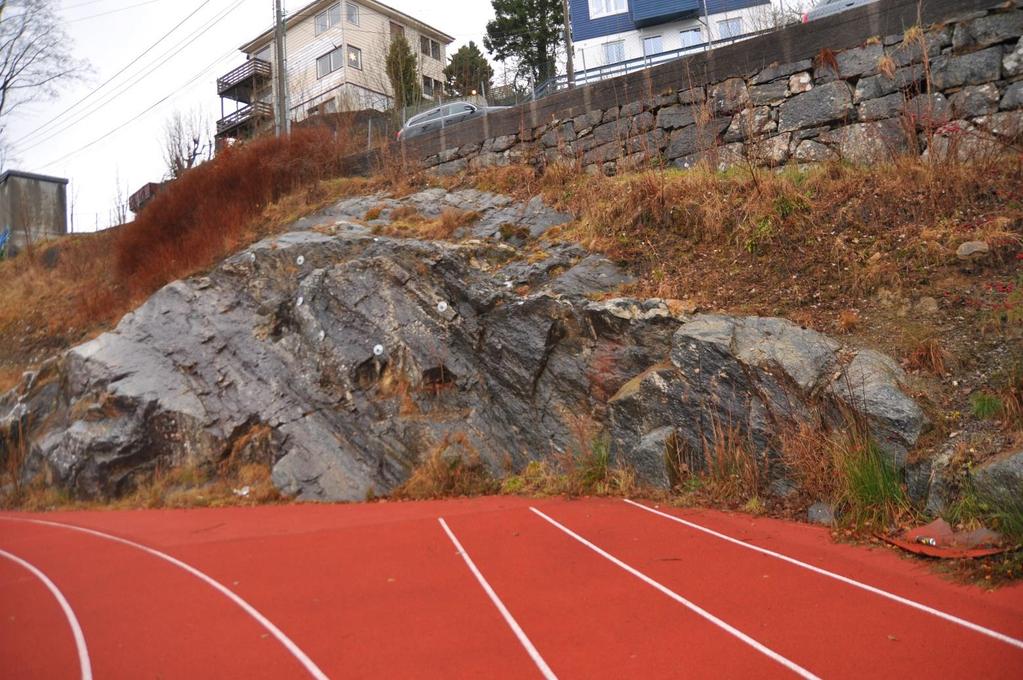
(450, 468)
(929, 355)
(240, 196)
(44, 309)
(848, 320)
(209, 211)
(733, 473)
(806, 244)
(808, 455)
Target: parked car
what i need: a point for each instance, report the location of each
(442, 116)
(826, 8)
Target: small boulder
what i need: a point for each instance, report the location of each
(821, 513)
(972, 251)
(927, 306)
(1001, 477)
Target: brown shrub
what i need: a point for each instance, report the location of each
(848, 320)
(452, 467)
(733, 473)
(808, 455)
(930, 356)
(208, 212)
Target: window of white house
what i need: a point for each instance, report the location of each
(729, 28)
(429, 48)
(653, 45)
(330, 62)
(614, 52)
(355, 57)
(352, 12)
(691, 37)
(604, 8)
(327, 18)
(428, 87)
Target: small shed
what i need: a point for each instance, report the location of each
(33, 207)
(141, 198)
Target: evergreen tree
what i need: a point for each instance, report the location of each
(528, 32)
(468, 70)
(403, 72)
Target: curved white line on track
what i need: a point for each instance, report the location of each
(76, 630)
(728, 628)
(288, 644)
(545, 670)
(1002, 637)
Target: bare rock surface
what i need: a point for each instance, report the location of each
(360, 354)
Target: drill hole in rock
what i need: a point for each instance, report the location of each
(438, 377)
(367, 374)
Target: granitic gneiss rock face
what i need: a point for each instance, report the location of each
(757, 377)
(359, 354)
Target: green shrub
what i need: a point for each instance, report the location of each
(985, 405)
(873, 495)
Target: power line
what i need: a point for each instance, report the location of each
(135, 79)
(112, 11)
(115, 76)
(139, 115)
(81, 4)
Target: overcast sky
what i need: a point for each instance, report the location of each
(121, 124)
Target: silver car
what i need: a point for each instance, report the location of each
(439, 117)
(826, 8)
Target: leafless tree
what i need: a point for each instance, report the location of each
(119, 211)
(779, 14)
(186, 142)
(35, 56)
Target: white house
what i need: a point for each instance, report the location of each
(335, 54)
(611, 33)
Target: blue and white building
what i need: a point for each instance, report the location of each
(615, 32)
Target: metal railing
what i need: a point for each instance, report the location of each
(255, 110)
(253, 68)
(621, 68)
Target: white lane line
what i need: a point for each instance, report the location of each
(838, 577)
(299, 655)
(545, 670)
(76, 630)
(731, 630)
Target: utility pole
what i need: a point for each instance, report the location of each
(706, 17)
(282, 125)
(568, 43)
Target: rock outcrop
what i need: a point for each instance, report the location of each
(361, 353)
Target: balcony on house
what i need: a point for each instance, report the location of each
(244, 82)
(246, 121)
(650, 12)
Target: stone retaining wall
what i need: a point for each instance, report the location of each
(942, 76)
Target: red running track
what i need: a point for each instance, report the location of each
(492, 587)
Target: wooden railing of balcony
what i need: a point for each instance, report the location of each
(260, 110)
(253, 68)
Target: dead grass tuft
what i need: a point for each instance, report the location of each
(848, 320)
(450, 468)
(930, 356)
